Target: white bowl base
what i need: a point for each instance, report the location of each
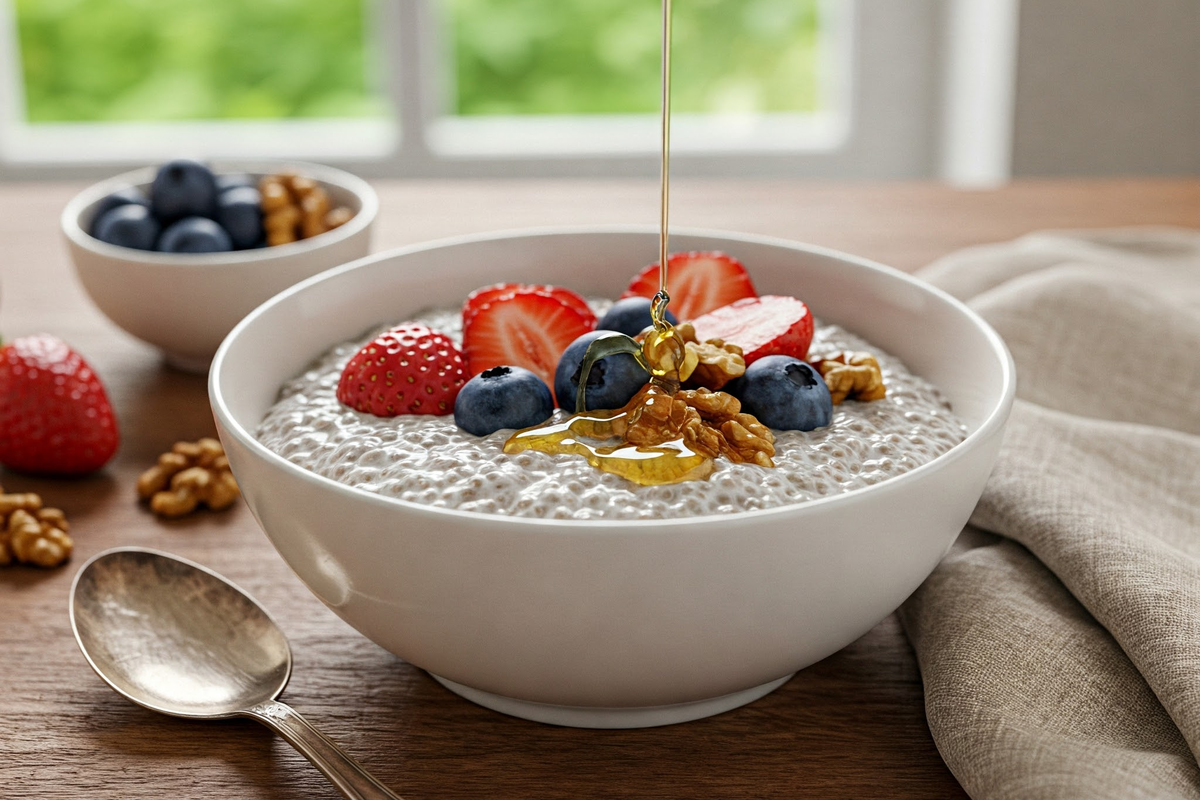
(612, 718)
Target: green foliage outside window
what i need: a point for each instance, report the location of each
(149, 60)
(102, 60)
(602, 56)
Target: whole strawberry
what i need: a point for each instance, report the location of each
(54, 414)
(410, 369)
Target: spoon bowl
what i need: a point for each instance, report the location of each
(175, 637)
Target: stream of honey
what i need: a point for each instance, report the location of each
(595, 434)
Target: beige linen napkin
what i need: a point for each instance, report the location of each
(1059, 642)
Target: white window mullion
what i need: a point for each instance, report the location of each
(980, 87)
(399, 33)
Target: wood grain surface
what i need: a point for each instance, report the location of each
(850, 726)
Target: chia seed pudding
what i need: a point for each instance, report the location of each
(429, 460)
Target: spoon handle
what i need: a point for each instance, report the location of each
(346, 774)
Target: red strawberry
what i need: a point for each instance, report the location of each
(480, 297)
(762, 326)
(54, 414)
(407, 370)
(698, 283)
(527, 329)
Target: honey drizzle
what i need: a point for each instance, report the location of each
(669, 462)
(658, 308)
(660, 353)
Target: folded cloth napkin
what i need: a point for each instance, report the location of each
(1059, 642)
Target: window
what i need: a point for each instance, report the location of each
(98, 80)
(155, 60)
(469, 87)
(579, 76)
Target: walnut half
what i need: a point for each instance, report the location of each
(710, 364)
(31, 534)
(852, 376)
(710, 423)
(191, 474)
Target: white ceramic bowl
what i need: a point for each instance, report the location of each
(611, 624)
(185, 304)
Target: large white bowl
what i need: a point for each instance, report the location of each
(186, 303)
(611, 624)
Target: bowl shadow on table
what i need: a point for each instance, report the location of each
(423, 741)
(791, 743)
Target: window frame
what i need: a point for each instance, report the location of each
(882, 124)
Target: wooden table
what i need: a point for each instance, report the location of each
(850, 726)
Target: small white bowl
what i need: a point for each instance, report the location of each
(185, 304)
(611, 623)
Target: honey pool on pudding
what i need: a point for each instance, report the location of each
(428, 459)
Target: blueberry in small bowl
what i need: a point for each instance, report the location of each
(128, 225)
(234, 180)
(183, 188)
(502, 397)
(121, 197)
(239, 212)
(612, 382)
(195, 235)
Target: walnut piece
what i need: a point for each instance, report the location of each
(710, 423)
(656, 417)
(191, 474)
(297, 207)
(715, 407)
(338, 217)
(31, 534)
(852, 376)
(24, 502)
(710, 364)
(750, 439)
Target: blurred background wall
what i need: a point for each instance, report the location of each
(1107, 87)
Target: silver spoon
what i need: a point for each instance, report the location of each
(177, 638)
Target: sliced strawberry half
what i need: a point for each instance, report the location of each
(481, 297)
(698, 283)
(527, 329)
(762, 326)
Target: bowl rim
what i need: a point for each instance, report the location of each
(142, 176)
(990, 425)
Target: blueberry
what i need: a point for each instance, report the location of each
(630, 316)
(613, 381)
(128, 225)
(183, 188)
(127, 196)
(784, 393)
(502, 397)
(239, 211)
(194, 235)
(234, 181)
